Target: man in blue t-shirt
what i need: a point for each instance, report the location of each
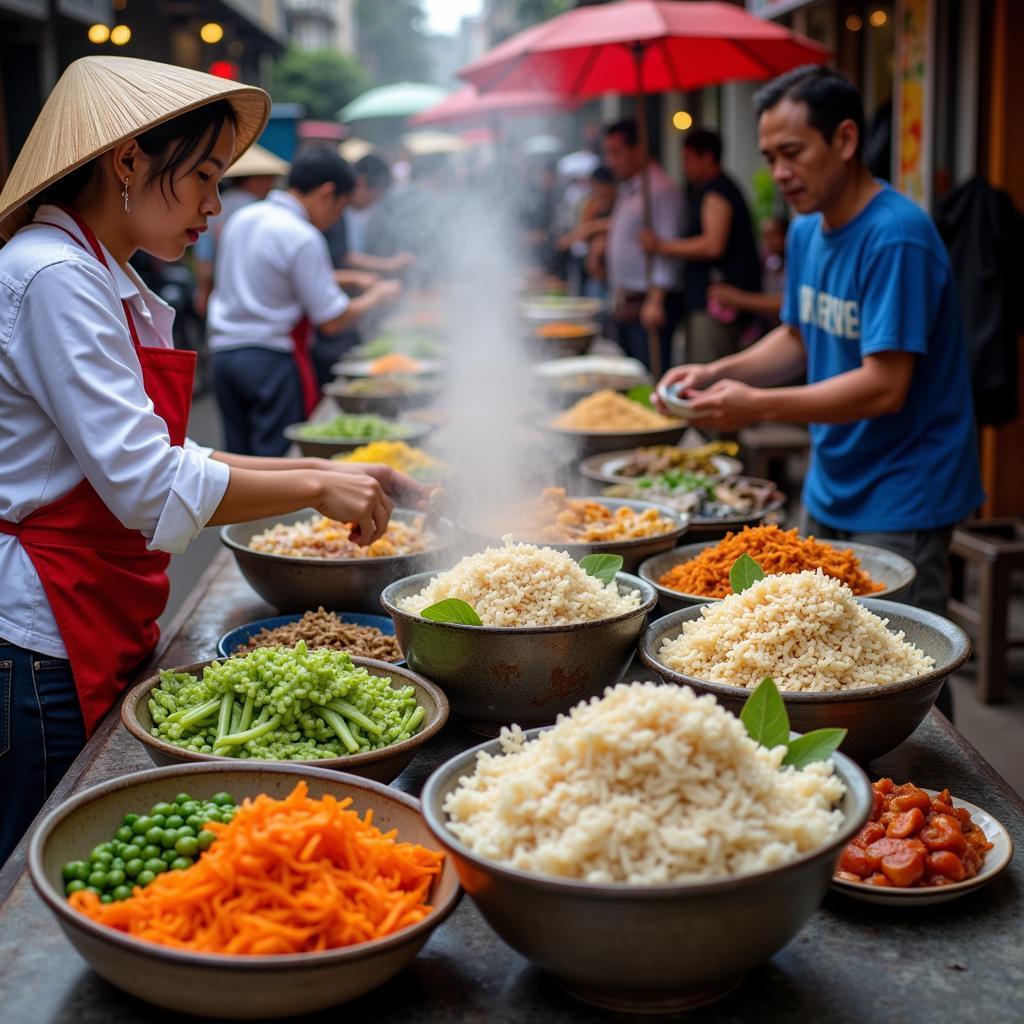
(870, 314)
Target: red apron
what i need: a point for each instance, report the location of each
(302, 340)
(105, 587)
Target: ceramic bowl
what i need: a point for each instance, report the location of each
(231, 641)
(877, 718)
(656, 948)
(495, 676)
(591, 442)
(387, 405)
(325, 447)
(205, 984)
(379, 765)
(297, 584)
(897, 573)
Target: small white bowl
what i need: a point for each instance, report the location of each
(680, 407)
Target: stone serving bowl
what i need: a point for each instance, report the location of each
(380, 405)
(591, 442)
(575, 309)
(298, 584)
(495, 676)
(325, 447)
(378, 765)
(656, 948)
(897, 573)
(877, 718)
(560, 346)
(218, 985)
(633, 552)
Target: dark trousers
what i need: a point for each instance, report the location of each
(632, 335)
(41, 733)
(927, 551)
(330, 349)
(259, 394)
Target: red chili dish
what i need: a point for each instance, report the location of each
(913, 840)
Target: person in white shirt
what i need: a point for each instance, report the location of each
(100, 484)
(273, 283)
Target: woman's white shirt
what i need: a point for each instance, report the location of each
(73, 405)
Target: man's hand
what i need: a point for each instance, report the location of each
(725, 295)
(649, 241)
(688, 378)
(400, 261)
(652, 312)
(727, 405)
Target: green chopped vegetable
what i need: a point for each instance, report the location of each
(357, 425)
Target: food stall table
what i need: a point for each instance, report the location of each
(854, 962)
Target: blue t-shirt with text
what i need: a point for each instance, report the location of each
(883, 283)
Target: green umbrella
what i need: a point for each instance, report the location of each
(402, 99)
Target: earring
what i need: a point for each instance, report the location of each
(124, 196)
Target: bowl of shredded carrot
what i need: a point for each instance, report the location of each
(321, 887)
(695, 573)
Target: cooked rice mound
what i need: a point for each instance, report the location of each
(525, 585)
(649, 784)
(805, 630)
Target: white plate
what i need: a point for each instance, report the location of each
(605, 468)
(996, 861)
(361, 368)
(612, 366)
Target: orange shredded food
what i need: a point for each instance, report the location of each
(285, 876)
(395, 362)
(776, 551)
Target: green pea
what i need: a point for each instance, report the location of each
(115, 878)
(75, 885)
(188, 808)
(117, 864)
(106, 898)
(103, 857)
(156, 865)
(169, 855)
(222, 799)
(185, 831)
(130, 819)
(145, 877)
(151, 850)
(204, 839)
(168, 839)
(134, 866)
(124, 834)
(155, 836)
(76, 871)
(142, 825)
(164, 809)
(174, 821)
(160, 820)
(131, 851)
(187, 846)
(122, 892)
(182, 798)
(227, 815)
(194, 821)
(98, 879)
(180, 863)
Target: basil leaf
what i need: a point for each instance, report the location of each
(745, 572)
(814, 746)
(602, 567)
(641, 393)
(452, 610)
(764, 716)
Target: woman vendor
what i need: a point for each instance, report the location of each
(100, 483)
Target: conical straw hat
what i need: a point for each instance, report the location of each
(257, 160)
(101, 101)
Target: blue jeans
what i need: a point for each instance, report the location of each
(41, 733)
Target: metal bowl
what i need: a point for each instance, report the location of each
(877, 718)
(633, 552)
(575, 309)
(364, 368)
(589, 442)
(881, 565)
(640, 948)
(325, 447)
(380, 765)
(298, 584)
(604, 467)
(555, 348)
(230, 642)
(219, 985)
(379, 405)
(495, 676)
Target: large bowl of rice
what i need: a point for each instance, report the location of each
(872, 667)
(551, 635)
(644, 851)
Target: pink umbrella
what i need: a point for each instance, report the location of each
(467, 107)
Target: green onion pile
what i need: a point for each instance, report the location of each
(283, 704)
(356, 426)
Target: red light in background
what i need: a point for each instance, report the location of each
(225, 69)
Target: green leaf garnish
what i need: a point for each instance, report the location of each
(819, 745)
(641, 393)
(764, 716)
(745, 572)
(452, 610)
(766, 720)
(602, 567)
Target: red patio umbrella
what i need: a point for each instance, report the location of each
(642, 46)
(468, 107)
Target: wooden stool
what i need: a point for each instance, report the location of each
(996, 548)
(765, 444)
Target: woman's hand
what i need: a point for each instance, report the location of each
(727, 295)
(649, 241)
(401, 488)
